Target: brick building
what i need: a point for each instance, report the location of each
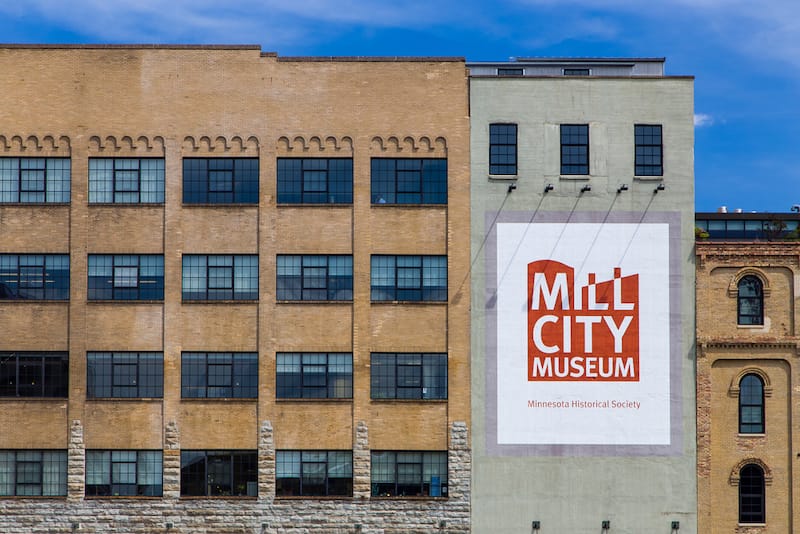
(234, 291)
(748, 278)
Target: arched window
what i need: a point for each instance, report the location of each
(751, 494)
(751, 300)
(751, 405)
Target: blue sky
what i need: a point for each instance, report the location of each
(744, 54)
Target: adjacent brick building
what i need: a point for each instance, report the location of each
(748, 278)
(234, 291)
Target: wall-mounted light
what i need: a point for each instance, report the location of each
(676, 525)
(623, 187)
(606, 524)
(586, 188)
(536, 525)
(512, 187)
(659, 188)
(548, 187)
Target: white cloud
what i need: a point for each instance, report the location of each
(702, 119)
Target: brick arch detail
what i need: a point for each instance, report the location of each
(733, 287)
(734, 478)
(737, 379)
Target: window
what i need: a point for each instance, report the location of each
(751, 495)
(34, 374)
(315, 181)
(123, 473)
(408, 474)
(509, 72)
(575, 149)
(219, 473)
(649, 150)
(751, 405)
(34, 180)
(409, 181)
(126, 277)
(312, 375)
(218, 375)
(750, 301)
(576, 72)
(34, 276)
(314, 473)
(126, 180)
(124, 374)
(220, 181)
(315, 278)
(33, 473)
(410, 278)
(408, 376)
(502, 149)
(220, 277)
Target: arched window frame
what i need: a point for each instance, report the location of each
(752, 482)
(751, 404)
(734, 290)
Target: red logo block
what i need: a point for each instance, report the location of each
(587, 333)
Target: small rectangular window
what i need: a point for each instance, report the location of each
(313, 473)
(408, 278)
(126, 180)
(576, 72)
(649, 150)
(220, 277)
(33, 473)
(503, 149)
(219, 375)
(126, 277)
(409, 181)
(409, 473)
(220, 180)
(315, 277)
(219, 473)
(34, 277)
(408, 376)
(34, 180)
(315, 181)
(123, 473)
(575, 149)
(124, 375)
(313, 375)
(34, 374)
(510, 71)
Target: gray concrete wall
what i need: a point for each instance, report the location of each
(573, 484)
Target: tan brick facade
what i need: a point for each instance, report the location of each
(177, 102)
(728, 351)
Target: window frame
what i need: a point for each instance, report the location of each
(53, 269)
(383, 488)
(429, 187)
(95, 365)
(496, 149)
(381, 384)
(203, 185)
(235, 288)
(100, 175)
(55, 187)
(337, 287)
(401, 290)
(48, 458)
(121, 288)
(298, 457)
(573, 141)
(113, 470)
(211, 364)
(247, 469)
(59, 390)
(287, 177)
(288, 383)
(749, 318)
(749, 405)
(752, 495)
(641, 133)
